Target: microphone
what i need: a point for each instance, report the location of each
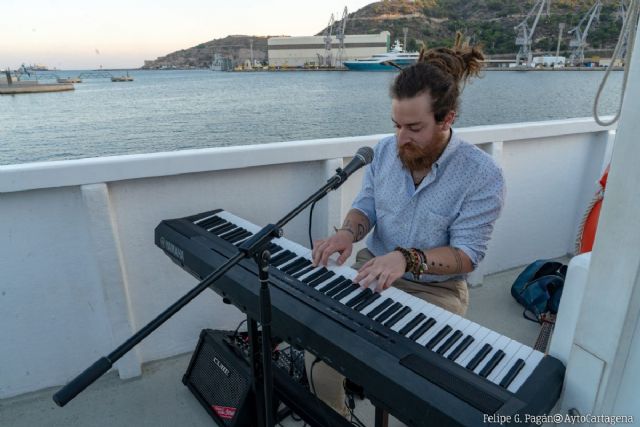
(363, 157)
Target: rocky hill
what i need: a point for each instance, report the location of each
(238, 48)
(434, 23)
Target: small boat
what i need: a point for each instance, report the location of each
(69, 80)
(379, 62)
(126, 78)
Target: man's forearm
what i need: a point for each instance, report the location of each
(447, 260)
(357, 223)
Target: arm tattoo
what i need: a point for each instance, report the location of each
(458, 258)
(362, 231)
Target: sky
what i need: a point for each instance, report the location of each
(87, 34)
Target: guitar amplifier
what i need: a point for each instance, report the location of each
(220, 378)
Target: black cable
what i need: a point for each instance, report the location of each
(349, 402)
(311, 222)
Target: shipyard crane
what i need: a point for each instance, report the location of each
(579, 41)
(327, 60)
(340, 36)
(524, 38)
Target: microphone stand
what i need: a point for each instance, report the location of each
(256, 247)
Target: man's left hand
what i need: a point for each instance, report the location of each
(381, 271)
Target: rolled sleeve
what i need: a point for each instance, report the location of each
(471, 230)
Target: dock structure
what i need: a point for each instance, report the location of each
(33, 87)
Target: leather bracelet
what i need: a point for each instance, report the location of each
(346, 229)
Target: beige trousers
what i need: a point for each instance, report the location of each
(451, 295)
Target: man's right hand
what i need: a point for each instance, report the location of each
(341, 242)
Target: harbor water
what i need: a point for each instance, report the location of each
(175, 110)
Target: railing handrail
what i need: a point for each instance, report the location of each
(62, 173)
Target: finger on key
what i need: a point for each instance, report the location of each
(343, 256)
(318, 252)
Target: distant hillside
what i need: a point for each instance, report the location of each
(434, 23)
(488, 22)
(237, 47)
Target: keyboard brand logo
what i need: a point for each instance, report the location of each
(221, 366)
(172, 249)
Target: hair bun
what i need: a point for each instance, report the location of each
(462, 61)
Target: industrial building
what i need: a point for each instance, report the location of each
(318, 51)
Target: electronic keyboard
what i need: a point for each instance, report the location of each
(424, 364)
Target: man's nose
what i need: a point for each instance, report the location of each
(402, 137)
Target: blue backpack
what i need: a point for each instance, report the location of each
(539, 288)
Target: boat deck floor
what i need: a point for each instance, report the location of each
(158, 397)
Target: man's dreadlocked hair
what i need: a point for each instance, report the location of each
(439, 72)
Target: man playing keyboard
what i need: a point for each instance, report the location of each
(429, 199)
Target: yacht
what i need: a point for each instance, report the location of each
(379, 62)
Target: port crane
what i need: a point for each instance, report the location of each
(327, 59)
(340, 36)
(524, 38)
(579, 41)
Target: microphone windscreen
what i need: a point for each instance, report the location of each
(366, 153)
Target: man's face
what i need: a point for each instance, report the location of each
(419, 137)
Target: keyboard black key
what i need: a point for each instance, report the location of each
(370, 299)
(303, 271)
(210, 222)
(339, 288)
(315, 275)
(412, 324)
(358, 298)
(379, 308)
(322, 278)
(276, 258)
(438, 337)
(491, 364)
(273, 248)
(241, 237)
(335, 282)
(513, 372)
(295, 265)
(466, 342)
(232, 235)
(422, 329)
(282, 258)
(397, 317)
(389, 312)
(346, 291)
(219, 229)
(449, 342)
(481, 354)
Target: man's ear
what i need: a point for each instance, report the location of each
(448, 120)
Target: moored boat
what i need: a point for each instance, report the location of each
(380, 62)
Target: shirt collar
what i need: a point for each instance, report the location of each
(453, 143)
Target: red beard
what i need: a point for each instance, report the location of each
(416, 158)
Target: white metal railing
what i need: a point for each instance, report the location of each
(80, 272)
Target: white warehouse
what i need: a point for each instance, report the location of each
(310, 50)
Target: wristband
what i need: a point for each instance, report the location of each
(346, 229)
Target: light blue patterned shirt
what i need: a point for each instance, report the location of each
(456, 204)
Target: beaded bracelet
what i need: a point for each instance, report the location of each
(416, 261)
(423, 265)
